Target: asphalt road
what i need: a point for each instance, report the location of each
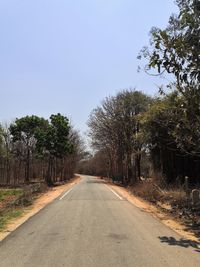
(91, 226)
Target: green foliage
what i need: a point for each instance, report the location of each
(24, 132)
(54, 143)
(34, 148)
(176, 49)
(25, 129)
(4, 193)
(171, 127)
(54, 139)
(35, 136)
(171, 139)
(8, 215)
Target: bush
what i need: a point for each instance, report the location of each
(148, 190)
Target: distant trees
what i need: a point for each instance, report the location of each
(115, 130)
(166, 129)
(24, 132)
(53, 142)
(132, 130)
(34, 148)
(1, 140)
(97, 164)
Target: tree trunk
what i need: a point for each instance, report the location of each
(138, 166)
(27, 172)
(49, 172)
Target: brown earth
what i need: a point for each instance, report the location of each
(6, 201)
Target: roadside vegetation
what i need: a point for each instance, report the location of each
(35, 153)
(149, 144)
(33, 149)
(153, 143)
(8, 207)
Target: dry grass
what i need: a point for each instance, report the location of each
(175, 196)
(8, 211)
(174, 201)
(8, 215)
(148, 191)
(14, 200)
(152, 192)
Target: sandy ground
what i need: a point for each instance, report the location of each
(38, 204)
(146, 206)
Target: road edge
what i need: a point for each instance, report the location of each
(38, 204)
(154, 211)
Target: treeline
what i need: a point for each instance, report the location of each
(133, 134)
(35, 149)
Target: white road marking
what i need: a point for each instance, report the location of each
(65, 194)
(114, 192)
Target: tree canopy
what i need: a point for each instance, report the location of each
(176, 49)
(115, 128)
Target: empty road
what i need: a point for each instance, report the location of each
(91, 226)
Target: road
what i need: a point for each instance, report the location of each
(91, 226)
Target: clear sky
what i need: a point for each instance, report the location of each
(67, 55)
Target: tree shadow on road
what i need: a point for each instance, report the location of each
(95, 181)
(194, 227)
(185, 243)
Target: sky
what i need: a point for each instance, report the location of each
(67, 55)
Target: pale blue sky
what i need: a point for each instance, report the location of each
(67, 55)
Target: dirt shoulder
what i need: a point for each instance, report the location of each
(168, 220)
(40, 202)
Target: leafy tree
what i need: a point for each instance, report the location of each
(35, 148)
(173, 122)
(176, 49)
(24, 131)
(54, 141)
(56, 136)
(174, 148)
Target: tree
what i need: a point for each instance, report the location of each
(176, 48)
(35, 149)
(96, 164)
(24, 131)
(131, 104)
(54, 142)
(172, 143)
(115, 128)
(1, 140)
(6, 147)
